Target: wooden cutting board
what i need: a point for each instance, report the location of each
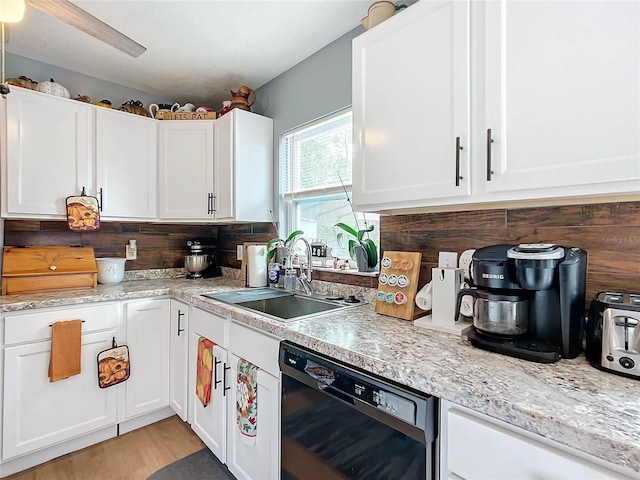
(47, 269)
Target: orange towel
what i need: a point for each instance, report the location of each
(204, 367)
(66, 344)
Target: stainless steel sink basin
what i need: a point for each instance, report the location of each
(280, 305)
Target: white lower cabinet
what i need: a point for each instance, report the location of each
(475, 446)
(38, 413)
(260, 460)
(147, 333)
(178, 349)
(209, 422)
(216, 424)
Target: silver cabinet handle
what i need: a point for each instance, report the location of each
(489, 142)
(458, 149)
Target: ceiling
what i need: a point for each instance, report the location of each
(196, 49)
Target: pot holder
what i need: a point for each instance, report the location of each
(113, 365)
(83, 213)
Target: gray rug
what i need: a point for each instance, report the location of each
(202, 465)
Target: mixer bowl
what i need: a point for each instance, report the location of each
(196, 263)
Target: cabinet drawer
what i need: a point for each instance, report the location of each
(259, 348)
(208, 325)
(30, 327)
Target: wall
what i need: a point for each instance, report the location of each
(315, 87)
(78, 83)
(609, 232)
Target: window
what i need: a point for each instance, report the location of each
(315, 170)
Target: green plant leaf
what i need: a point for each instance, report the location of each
(347, 229)
(292, 235)
(371, 252)
(362, 232)
(352, 248)
(273, 243)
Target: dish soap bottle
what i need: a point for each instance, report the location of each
(290, 277)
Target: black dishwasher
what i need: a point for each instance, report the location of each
(339, 422)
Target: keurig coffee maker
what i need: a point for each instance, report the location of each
(528, 300)
(201, 260)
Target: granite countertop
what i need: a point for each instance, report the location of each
(569, 402)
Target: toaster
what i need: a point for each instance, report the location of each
(613, 333)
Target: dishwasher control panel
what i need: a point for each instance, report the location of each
(395, 405)
(331, 378)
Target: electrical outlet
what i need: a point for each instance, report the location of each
(131, 250)
(239, 249)
(447, 259)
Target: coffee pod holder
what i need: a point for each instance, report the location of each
(445, 285)
(397, 285)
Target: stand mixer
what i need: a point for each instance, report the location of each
(200, 263)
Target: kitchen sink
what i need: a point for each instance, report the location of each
(282, 305)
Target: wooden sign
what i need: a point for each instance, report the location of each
(398, 284)
(189, 116)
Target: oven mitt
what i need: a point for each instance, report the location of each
(83, 213)
(113, 365)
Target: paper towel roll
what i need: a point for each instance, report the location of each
(423, 297)
(257, 266)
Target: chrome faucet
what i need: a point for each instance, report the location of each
(305, 277)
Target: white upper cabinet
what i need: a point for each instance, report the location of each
(185, 170)
(126, 148)
(411, 107)
(554, 110)
(218, 170)
(243, 167)
(562, 93)
(47, 153)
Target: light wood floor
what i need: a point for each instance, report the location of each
(132, 456)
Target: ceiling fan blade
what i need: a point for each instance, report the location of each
(73, 15)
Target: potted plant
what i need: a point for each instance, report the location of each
(277, 247)
(362, 250)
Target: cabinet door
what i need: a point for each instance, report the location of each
(38, 413)
(178, 353)
(48, 153)
(210, 422)
(261, 459)
(477, 449)
(563, 97)
(147, 327)
(126, 164)
(411, 107)
(185, 169)
(243, 167)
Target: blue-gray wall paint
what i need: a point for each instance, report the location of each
(78, 83)
(315, 87)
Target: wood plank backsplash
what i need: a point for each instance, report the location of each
(609, 232)
(159, 245)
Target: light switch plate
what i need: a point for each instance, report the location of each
(239, 249)
(448, 260)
